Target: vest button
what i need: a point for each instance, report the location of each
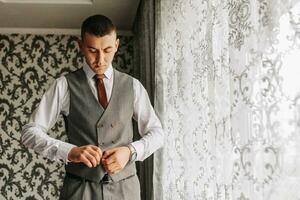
(112, 125)
(100, 125)
(113, 142)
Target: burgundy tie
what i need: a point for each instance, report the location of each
(101, 91)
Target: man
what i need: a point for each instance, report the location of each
(98, 104)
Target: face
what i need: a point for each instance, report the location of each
(99, 51)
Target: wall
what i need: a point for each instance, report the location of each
(29, 64)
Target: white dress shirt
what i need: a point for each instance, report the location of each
(56, 101)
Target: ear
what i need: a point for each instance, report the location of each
(80, 43)
(117, 44)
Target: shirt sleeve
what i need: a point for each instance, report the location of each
(149, 125)
(56, 100)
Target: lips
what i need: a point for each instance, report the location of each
(99, 66)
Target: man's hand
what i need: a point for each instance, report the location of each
(90, 155)
(114, 160)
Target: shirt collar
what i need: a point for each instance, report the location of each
(90, 73)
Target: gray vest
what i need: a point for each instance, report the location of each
(88, 123)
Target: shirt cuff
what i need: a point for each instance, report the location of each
(139, 148)
(63, 151)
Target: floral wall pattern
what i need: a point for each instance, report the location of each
(29, 64)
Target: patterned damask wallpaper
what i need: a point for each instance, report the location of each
(29, 64)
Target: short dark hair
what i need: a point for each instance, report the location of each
(98, 25)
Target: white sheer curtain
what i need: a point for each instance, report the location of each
(228, 95)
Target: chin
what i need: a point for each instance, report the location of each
(101, 71)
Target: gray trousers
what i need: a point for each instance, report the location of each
(79, 189)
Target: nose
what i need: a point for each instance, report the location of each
(100, 58)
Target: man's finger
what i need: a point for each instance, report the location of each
(108, 153)
(111, 159)
(112, 168)
(91, 158)
(115, 170)
(86, 161)
(106, 166)
(97, 149)
(95, 154)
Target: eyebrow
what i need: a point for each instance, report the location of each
(90, 47)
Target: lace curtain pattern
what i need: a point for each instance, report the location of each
(227, 92)
(29, 64)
